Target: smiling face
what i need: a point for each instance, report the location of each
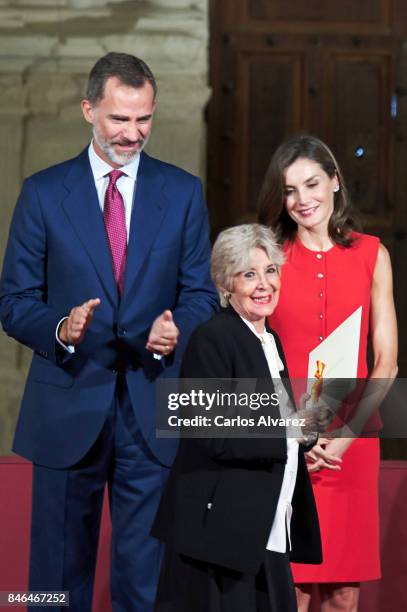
(309, 194)
(256, 289)
(121, 121)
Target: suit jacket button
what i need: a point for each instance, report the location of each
(209, 505)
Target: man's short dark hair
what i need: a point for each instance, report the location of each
(130, 70)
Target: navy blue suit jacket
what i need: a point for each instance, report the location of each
(58, 257)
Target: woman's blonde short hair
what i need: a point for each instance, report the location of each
(231, 253)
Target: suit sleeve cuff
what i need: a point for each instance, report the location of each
(67, 347)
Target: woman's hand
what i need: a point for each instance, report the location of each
(317, 418)
(338, 446)
(323, 455)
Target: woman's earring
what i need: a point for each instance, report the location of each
(336, 189)
(227, 296)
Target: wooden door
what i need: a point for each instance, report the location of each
(337, 70)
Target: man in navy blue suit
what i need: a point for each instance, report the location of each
(105, 276)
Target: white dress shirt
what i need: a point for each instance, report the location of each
(277, 540)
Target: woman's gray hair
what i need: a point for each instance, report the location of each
(231, 253)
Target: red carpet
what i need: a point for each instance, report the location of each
(15, 494)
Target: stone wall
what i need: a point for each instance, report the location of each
(46, 50)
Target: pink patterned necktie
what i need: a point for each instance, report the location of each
(115, 223)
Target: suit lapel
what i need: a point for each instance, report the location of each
(83, 211)
(149, 209)
(254, 347)
(261, 365)
(260, 371)
(285, 377)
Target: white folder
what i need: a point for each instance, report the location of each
(339, 352)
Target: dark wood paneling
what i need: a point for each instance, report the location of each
(373, 16)
(320, 11)
(358, 127)
(274, 86)
(399, 251)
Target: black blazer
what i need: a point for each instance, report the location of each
(222, 495)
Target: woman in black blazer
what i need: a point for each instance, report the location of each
(225, 513)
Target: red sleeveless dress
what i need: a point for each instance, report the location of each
(319, 290)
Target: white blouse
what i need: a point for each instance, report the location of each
(277, 540)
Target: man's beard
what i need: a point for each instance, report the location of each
(121, 159)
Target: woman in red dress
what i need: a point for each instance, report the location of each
(330, 272)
